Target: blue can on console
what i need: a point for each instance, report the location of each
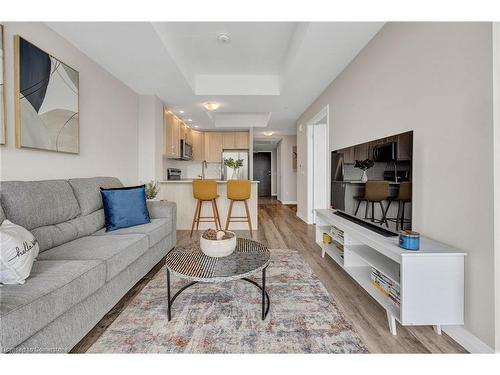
(409, 240)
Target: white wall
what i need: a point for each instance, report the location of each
(435, 79)
(150, 138)
(287, 192)
(108, 118)
(496, 131)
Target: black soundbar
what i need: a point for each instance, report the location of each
(373, 227)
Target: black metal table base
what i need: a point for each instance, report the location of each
(265, 295)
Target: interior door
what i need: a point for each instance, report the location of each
(262, 172)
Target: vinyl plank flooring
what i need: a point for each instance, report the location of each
(280, 228)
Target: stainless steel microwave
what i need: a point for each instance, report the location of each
(386, 152)
(186, 150)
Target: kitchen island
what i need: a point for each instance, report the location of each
(181, 192)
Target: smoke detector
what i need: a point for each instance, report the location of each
(223, 38)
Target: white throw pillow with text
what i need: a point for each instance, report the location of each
(18, 251)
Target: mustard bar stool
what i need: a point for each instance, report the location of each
(239, 191)
(403, 197)
(205, 191)
(375, 192)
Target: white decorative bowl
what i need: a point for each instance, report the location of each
(218, 248)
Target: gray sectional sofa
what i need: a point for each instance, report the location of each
(81, 271)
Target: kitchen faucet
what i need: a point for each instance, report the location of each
(204, 165)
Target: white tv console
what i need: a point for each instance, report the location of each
(430, 280)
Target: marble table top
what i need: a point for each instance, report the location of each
(190, 263)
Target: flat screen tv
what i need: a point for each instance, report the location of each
(372, 182)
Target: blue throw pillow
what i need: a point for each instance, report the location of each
(124, 207)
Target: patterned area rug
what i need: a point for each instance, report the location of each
(225, 317)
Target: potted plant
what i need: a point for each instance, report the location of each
(234, 165)
(151, 188)
(364, 165)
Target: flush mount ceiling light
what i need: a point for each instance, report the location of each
(268, 134)
(223, 38)
(211, 106)
(181, 111)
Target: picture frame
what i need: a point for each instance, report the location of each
(46, 100)
(3, 117)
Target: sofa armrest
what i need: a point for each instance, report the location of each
(162, 209)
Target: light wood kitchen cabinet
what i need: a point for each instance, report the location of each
(213, 146)
(361, 152)
(184, 131)
(242, 140)
(235, 140)
(197, 141)
(348, 154)
(404, 146)
(228, 140)
(172, 136)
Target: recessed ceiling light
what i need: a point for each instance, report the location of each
(211, 106)
(181, 111)
(196, 126)
(189, 120)
(268, 134)
(224, 38)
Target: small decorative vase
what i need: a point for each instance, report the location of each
(234, 175)
(364, 177)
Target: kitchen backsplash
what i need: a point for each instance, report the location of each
(192, 169)
(374, 173)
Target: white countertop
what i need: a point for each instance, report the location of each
(189, 181)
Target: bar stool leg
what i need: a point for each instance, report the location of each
(366, 209)
(383, 215)
(403, 217)
(373, 212)
(248, 217)
(357, 208)
(217, 212)
(195, 216)
(397, 215)
(228, 219)
(387, 211)
(215, 215)
(199, 215)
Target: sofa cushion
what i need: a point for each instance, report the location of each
(55, 235)
(88, 193)
(162, 209)
(116, 251)
(156, 230)
(52, 288)
(33, 204)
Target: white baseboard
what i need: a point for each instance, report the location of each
(301, 217)
(470, 342)
(288, 202)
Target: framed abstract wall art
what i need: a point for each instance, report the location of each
(46, 100)
(2, 95)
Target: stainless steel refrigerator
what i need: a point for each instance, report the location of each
(337, 200)
(241, 173)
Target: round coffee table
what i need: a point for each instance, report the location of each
(190, 263)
